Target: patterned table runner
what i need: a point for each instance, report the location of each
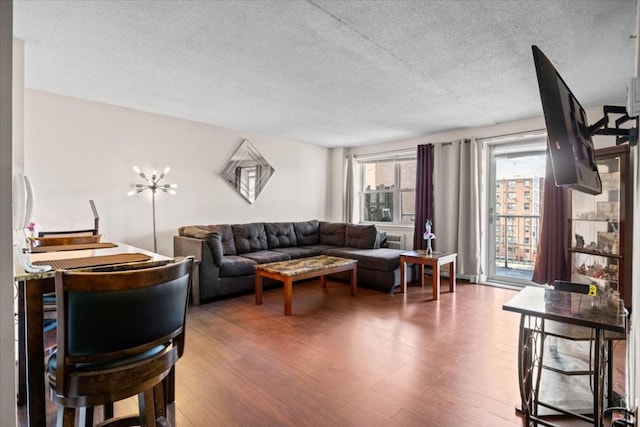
(94, 261)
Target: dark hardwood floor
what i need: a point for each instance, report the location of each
(371, 360)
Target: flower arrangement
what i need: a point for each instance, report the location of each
(30, 230)
(428, 235)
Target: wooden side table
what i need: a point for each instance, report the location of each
(435, 260)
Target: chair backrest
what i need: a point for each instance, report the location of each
(89, 231)
(108, 316)
(63, 233)
(64, 239)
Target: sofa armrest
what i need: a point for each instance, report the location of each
(205, 279)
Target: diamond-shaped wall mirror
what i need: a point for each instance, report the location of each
(247, 171)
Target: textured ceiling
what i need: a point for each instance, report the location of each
(332, 73)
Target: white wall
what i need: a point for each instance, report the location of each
(77, 150)
(7, 355)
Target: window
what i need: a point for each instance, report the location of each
(527, 194)
(511, 184)
(497, 195)
(388, 190)
(511, 195)
(527, 206)
(527, 183)
(526, 228)
(511, 206)
(527, 240)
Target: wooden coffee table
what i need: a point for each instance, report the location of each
(303, 268)
(435, 260)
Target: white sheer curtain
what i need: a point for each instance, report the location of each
(457, 196)
(348, 192)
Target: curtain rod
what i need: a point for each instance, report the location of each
(535, 133)
(388, 154)
(496, 138)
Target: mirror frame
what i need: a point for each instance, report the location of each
(247, 171)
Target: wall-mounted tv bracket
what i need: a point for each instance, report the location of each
(601, 127)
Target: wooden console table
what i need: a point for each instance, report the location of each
(303, 268)
(435, 260)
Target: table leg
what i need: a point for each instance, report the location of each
(354, 281)
(258, 288)
(35, 353)
(323, 281)
(598, 381)
(288, 293)
(436, 281)
(403, 275)
(22, 346)
(452, 275)
(421, 272)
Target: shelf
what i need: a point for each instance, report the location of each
(601, 230)
(595, 253)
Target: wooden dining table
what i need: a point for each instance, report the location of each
(32, 287)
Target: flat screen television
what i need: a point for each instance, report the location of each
(568, 137)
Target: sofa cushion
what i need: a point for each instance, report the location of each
(280, 235)
(235, 265)
(217, 251)
(361, 236)
(332, 233)
(263, 257)
(307, 232)
(249, 237)
(371, 259)
(300, 251)
(226, 238)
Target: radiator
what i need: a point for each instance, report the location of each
(395, 241)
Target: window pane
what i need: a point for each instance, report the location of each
(378, 207)
(388, 190)
(379, 176)
(407, 206)
(407, 174)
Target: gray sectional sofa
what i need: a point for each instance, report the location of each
(226, 253)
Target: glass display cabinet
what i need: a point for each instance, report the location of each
(600, 228)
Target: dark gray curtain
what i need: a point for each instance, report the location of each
(551, 259)
(424, 193)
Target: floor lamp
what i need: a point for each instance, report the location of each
(154, 185)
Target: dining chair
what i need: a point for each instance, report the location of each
(120, 333)
(88, 231)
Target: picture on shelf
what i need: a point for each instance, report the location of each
(607, 243)
(607, 210)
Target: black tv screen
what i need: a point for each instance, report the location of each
(568, 137)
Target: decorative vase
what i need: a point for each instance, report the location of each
(429, 250)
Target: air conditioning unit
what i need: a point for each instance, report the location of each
(395, 241)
